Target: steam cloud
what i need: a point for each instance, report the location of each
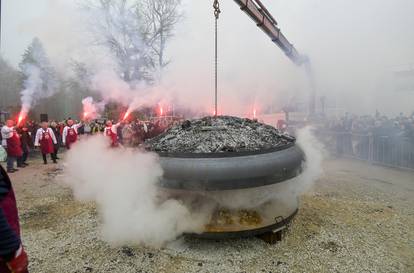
(123, 184)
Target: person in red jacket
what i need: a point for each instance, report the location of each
(11, 141)
(111, 131)
(45, 138)
(13, 258)
(70, 133)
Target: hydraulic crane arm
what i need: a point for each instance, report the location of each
(268, 24)
(265, 21)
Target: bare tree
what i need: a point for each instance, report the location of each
(159, 17)
(116, 27)
(135, 32)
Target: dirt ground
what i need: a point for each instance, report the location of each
(358, 218)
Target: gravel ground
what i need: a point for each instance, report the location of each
(359, 218)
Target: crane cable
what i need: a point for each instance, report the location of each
(217, 12)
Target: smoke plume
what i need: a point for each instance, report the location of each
(33, 85)
(92, 109)
(123, 184)
(112, 88)
(40, 79)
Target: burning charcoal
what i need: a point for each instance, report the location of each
(228, 148)
(128, 251)
(218, 135)
(186, 125)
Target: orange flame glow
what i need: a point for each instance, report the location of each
(126, 115)
(20, 119)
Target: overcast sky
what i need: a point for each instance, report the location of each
(352, 44)
(395, 17)
(16, 17)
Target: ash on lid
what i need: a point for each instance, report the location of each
(219, 135)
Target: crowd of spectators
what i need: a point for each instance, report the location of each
(378, 138)
(379, 125)
(130, 133)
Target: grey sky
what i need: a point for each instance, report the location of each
(16, 17)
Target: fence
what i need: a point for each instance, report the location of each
(391, 151)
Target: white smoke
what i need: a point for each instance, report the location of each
(315, 154)
(33, 85)
(40, 81)
(92, 109)
(123, 184)
(112, 88)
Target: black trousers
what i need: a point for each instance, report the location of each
(53, 156)
(56, 150)
(24, 156)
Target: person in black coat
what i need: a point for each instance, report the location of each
(26, 142)
(13, 258)
(58, 135)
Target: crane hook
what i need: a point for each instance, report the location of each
(217, 10)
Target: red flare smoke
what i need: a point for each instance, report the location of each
(254, 113)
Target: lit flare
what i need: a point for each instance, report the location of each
(126, 116)
(20, 119)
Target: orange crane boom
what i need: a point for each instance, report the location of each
(267, 23)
